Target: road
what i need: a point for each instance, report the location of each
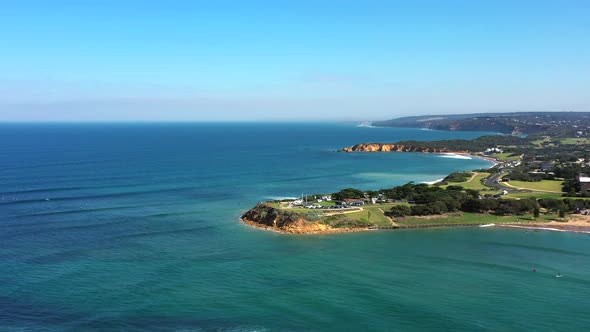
(493, 181)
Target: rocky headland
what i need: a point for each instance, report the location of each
(267, 217)
(392, 147)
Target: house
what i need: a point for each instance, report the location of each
(492, 151)
(546, 166)
(584, 181)
(353, 202)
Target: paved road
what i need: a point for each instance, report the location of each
(493, 181)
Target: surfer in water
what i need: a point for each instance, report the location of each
(558, 275)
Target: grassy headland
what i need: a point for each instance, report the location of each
(534, 181)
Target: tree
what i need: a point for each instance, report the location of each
(562, 213)
(472, 192)
(348, 193)
(552, 204)
(420, 210)
(437, 207)
(400, 211)
(536, 213)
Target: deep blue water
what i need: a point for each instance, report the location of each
(135, 226)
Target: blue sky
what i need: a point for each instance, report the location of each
(289, 60)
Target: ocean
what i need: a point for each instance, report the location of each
(136, 227)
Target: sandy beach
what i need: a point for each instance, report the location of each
(575, 223)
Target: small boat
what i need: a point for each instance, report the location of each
(487, 225)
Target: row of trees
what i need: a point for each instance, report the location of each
(496, 206)
(432, 200)
(568, 204)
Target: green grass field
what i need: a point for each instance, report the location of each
(466, 218)
(566, 140)
(371, 215)
(543, 185)
(539, 142)
(473, 183)
(374, 215)
(572, 140)
(506, 156)
(539, 195)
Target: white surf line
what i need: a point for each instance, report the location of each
(545, 228)
(433, 182)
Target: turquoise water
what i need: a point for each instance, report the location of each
(134, 227)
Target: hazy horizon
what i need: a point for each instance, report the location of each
(66, 61)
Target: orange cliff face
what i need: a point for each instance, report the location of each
(384, 147)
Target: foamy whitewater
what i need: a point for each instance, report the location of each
(454, 156)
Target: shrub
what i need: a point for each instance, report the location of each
(457, 177)
(400, 211)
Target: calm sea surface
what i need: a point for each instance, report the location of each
(135, 227)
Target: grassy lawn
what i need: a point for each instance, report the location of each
(371, 215)
(387, 206)
(540, 195)
(466, 218)
(540, 142)
(543, 185)
(535, 195)
(276, 205)
(572, 140)
(473, 183)
(506, 156)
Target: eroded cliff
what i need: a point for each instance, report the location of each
(267, 217)
(387, 147)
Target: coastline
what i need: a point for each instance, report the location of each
(471, 156)
(494, 161)
(324, 229)
(576, 224)
(308, 227)
(541, 227)
(313, 228)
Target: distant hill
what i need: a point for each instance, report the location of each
(507, 123)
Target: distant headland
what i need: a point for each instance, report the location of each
(538, 181)
(390, 147)
(507, 123)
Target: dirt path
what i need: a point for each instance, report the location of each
(388, 217)
(342, 212)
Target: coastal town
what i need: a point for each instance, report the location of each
(540, 181)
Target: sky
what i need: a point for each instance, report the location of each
(289, 60)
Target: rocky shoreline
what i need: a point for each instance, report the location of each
(392, 147)
(266, 217)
